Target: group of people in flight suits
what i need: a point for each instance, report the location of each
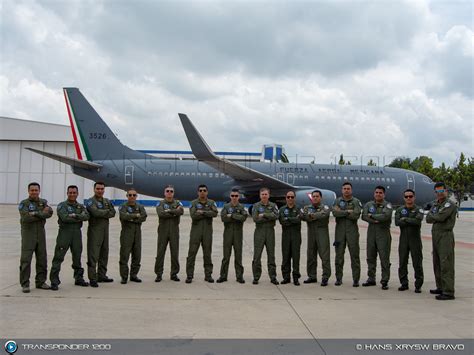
(347, 209)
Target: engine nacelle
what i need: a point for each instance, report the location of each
(303, 196)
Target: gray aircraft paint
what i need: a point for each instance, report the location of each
(122, 167)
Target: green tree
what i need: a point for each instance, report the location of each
(461, 177)
(423, 165)
(371, 163)
(401, 162)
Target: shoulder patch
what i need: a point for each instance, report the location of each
(389, 205)
(20, 206)
(89, 202)
(447, 204)
(180, 203)
(326, 207)
(360, 204)
(158, 203)
(421, 210)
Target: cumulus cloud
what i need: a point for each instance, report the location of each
(370, 79)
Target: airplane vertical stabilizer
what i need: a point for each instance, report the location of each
(93, 139)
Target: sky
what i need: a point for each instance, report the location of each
(368, 79)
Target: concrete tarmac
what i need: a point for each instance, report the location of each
(201, 310)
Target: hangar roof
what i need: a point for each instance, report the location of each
(14, 129)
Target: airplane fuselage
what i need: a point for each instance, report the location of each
(151, 175)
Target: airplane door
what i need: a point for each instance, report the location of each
(129, 174)
(290, 178)
(280, 177)
(411, 181)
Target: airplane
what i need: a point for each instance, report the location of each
(102, 157)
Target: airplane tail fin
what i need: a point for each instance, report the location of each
(93, 139)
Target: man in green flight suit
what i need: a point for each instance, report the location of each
(317, 217)
(443, 217)
(409, 217)
(233, 214)
(71, 215)
(347, 211)
(378, 213)
(132, 215)
(169, 214)
(33, 214)
(202, 211)
(264, 214)
(290, 221)
(100, 210)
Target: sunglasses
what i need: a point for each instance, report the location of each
(100, 188)
(408, 196)
(234, 195)
(440, 191)
(290, 197)
(202, 190)
(169, 191)
(132, 195)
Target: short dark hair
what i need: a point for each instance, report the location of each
(235, 190)
(409, 190)
(380, 187)
(294, 193)
(72, 187)
(98, 183)
(317, 191)
(34, 184)
(440, 184)
(264, 189)
(202, 186)
(347, 183)
(131, 189)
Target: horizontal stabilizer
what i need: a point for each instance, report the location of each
(83, 164)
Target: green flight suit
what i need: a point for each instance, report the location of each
(131, 218)
(33, 215)
(264, 236)
(290, 221)
(233, 218)
(317, 218)
(347, 233)
(100, 210)
(379, 239)
(70, 218)
(443, 217)
(169, 215)
(201, 234)
(409, 220)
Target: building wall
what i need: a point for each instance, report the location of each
(19, 167)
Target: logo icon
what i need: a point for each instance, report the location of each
(11, 347)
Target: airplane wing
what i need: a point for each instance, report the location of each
(83, 164)
(246, 175)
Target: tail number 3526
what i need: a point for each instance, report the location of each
(97, 135)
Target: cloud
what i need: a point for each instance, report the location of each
(322, 78)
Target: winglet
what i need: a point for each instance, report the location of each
(198, 145)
